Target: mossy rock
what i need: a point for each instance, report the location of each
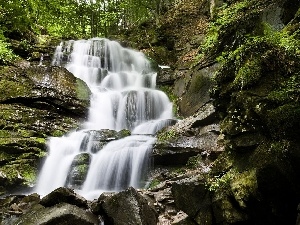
(36, 102)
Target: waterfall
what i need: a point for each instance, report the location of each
(122, 84)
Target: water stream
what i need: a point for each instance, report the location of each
(124, 96)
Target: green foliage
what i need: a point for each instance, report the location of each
(6, 54)
(227, 18)
(57, 133)
(154, 183)
(165, 135)
(283, 121)
(289, 90)
(219, 181)
(248, 74)
(243, 66)
(74, 18)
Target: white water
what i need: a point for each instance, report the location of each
(123, 97)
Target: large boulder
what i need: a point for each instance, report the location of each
(125, 208)
(61, 214)
(63, 195)
(193, 88)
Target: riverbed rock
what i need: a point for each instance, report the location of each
(63, 213)
(78, 170)
(13, 206)
(165, 76)
(63, 195)
(127, 207)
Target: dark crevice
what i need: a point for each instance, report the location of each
(46, 103)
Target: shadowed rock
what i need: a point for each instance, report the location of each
(62, 214)
(127, 208)
(61, 195)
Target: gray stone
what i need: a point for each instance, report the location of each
(78, 170)
(165, 76)
(128, 208)
(177, 152)
(62, 214)
(192, 196)
(197, 88)
(61, 195)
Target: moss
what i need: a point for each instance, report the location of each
(82, 90)
(81, 171)
(57, 133)
(248, 74)
(5, 133)
(11, 89)
(154, 183)
(244, 187)
(289, 90)
(123, 133)
(25, 133)
(29, 173)
(19, 172)
(166, 135)
(221, 181)
(5, 157)
(284, 121)
(271, 152)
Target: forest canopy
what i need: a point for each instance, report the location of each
(25, 20)
(75, 18)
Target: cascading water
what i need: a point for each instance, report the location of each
(123, 97)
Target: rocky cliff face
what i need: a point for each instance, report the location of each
(243, 59)
(36, 102)
(249, 64)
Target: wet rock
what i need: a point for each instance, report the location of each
(184, 221)
(107, 135)
(63, 195)
(205, 116)
(59, 214)
(198, 134)
(99, 138)
(177, 152)
(247, 141)
(14, 206)
(128, 207)
(78, 170)
(35, 102)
